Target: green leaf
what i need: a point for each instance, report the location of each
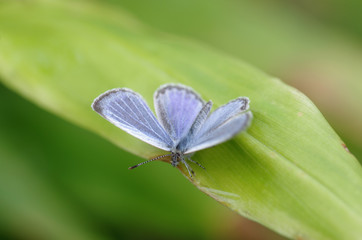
(289, 172)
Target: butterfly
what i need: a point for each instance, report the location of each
(183, 124)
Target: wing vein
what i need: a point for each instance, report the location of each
(166, 136)
(140, 122)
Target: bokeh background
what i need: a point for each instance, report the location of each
(58, 181)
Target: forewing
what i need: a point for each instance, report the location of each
(128, 111)
(177, 107)
(221, 125)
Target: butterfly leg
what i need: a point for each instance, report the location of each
(188, 158)
(189, 169)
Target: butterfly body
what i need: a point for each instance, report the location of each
(184, 123)
(176, 157)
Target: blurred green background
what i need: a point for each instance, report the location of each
(58, 181)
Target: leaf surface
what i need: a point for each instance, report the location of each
(289, 171)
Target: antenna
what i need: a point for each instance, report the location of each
(153, 159)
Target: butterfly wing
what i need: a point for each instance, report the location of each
(177, 107)
(199, 121)
(221, 125)
(128, 111)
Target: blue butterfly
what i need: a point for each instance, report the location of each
(184, 125)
